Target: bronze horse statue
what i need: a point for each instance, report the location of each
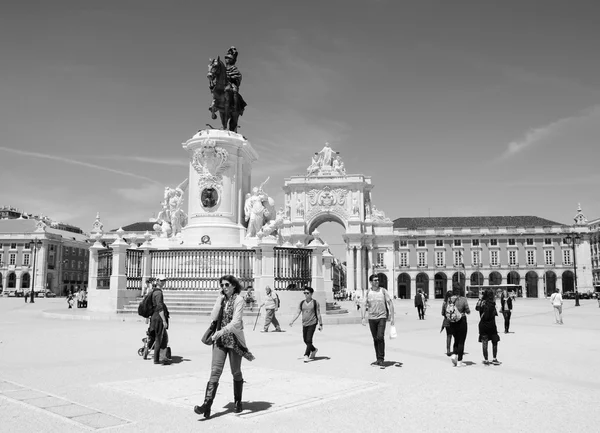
(226, 101)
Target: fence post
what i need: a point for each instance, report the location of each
(118, 279)
(97, 299)
(327, 281)
(146, 260)
(317, 266)
(265, 267)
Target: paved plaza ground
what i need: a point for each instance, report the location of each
(85, 375)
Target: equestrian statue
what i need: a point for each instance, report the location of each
(224, 81)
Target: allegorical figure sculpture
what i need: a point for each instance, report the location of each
(172, 218)
(258, 210)
(224, 80)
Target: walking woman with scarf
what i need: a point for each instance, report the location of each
(228, 341)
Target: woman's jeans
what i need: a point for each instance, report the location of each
(459, 332)
(218, 362)
(506, 314)
(378, 332)
(307, 335)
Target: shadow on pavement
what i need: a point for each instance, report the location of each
(178, 359)
(387, 364)
(250, 407)
(321, 358)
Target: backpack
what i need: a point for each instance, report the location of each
(145, 309)
(278, 301)
(314, 306)
(452, 313)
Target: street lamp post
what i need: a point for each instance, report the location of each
(574, 239)
(35, 245)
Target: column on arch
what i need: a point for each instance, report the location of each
(359, 270)
(350, 276)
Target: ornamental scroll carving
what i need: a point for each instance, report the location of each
(327, 197)
(210, 162)
(327, 200)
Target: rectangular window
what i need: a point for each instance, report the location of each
(476, 255)
(549, 257)
(12, 259)
(26, 258)
(567, 258)
(404, 259)
(13, 246)
(422, 259)
(457, 242)
(380, 260)
(529, 241)
(547, 241)
(494, 258)
(64, 251)
(439, 243)
(493, 242)
(403, 243)
(512, 258)
(439, 258)
(511, 241)
(531, 257)
(475, 242)
(421, 243)
(457, 258)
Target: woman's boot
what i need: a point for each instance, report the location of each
(211, 391)
(238, 387)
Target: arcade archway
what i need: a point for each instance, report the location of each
(422, 282)
(404, 291)
(440, 285)
(568, 282)
(550, 280)
(531, 284)
(495, 278)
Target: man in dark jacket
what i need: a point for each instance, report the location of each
(159, 323)
(419, 303)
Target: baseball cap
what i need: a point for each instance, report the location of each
(161, 277)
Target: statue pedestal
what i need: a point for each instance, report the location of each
(220, 176)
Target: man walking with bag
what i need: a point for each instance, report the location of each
(380, 309)
(271, 304)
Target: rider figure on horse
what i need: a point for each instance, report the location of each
(234, 78)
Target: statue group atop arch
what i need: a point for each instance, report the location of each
(327, 162)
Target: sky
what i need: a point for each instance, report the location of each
(461, 108)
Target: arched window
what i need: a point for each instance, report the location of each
(12, 281)
(25, 281)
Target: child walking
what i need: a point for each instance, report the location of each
(311, 316)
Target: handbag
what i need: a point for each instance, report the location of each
(212, 328)
(207, 337)
(393, 332)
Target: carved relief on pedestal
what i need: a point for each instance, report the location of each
(210, 162)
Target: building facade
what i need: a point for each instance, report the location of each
(59, 263)
(531, 252)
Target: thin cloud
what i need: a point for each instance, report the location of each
(535, 136)
(142, 159)
(75, 162)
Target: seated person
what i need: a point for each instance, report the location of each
(249, 298)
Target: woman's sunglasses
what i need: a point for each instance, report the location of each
(225, 284)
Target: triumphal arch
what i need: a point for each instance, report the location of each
(327, 193)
